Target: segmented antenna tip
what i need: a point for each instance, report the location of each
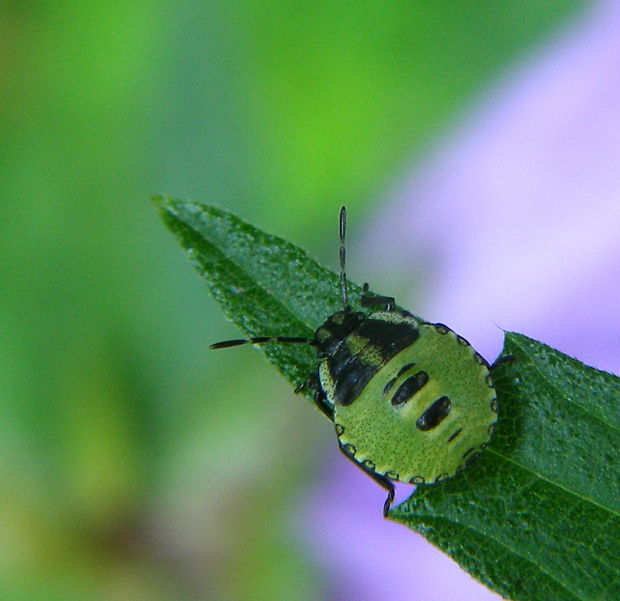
(343, 275)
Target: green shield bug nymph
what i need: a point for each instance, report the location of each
(411, 401)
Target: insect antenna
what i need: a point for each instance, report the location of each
(343, 274)
(261, 340)
(293, 339)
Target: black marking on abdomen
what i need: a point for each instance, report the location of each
(367, 463)
(409, 387)
(472, 458)
(389, 385)
(462, 341)
(455, 435)
(349, 449)
(468, 451)
(480, 360)
(403, 370)
(434, 415)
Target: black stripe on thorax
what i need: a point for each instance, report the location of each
(351, 372)
(387, 337)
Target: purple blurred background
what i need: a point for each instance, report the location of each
(476, 147)
(512, 223)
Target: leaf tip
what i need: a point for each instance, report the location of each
(161, 201)
(166, 206)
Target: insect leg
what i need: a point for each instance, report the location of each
(382, 481)
(319, 398)
(261, 340)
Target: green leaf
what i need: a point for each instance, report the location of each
(537, 517)
(265, 285)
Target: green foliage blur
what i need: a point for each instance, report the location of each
(134, 464)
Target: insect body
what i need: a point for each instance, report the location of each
(411, 401)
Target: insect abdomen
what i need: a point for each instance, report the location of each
(424, 413)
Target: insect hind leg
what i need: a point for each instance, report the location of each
(382, 481)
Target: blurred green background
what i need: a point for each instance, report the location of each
(128, 470)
